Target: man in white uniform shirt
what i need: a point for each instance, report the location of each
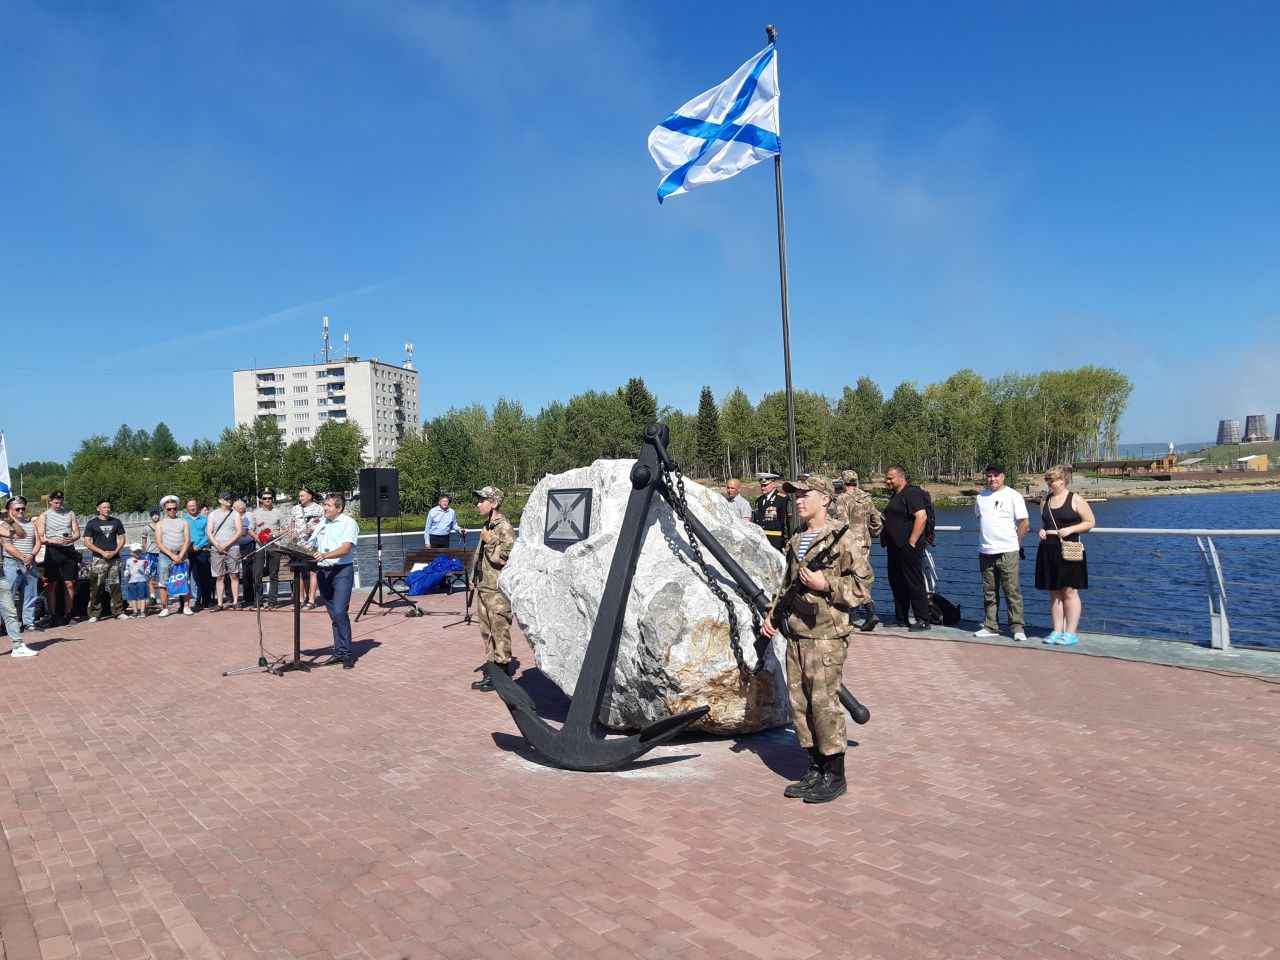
(1002, 523)
(335, 542)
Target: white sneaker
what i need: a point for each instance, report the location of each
(984, 632)
(188, 612)
(93, 619)
(22, 650)
(123, 616)
(1020, 637)
(165, 612)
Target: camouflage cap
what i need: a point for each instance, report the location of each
(488, 493)
(815, 482)
(849, 476)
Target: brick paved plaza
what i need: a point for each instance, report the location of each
(1004, 803)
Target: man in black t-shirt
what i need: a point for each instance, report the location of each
(903, 540)
(104, 536)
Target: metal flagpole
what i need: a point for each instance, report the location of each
(793, 460)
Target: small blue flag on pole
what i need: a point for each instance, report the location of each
(6, 485)
(721, 132)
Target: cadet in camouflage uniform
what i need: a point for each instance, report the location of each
(496, 540)
(816, 612)
(855, 508)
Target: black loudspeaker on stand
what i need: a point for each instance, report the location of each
(380, 492)
(380, 497)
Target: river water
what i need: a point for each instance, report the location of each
(1138, 585)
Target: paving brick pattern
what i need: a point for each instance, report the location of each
(1004, 804)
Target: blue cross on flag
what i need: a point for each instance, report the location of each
(720, 133)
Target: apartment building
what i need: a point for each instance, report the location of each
(381, 397)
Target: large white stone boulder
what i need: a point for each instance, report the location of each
(674, 654)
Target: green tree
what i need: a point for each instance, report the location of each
(856, 426)
(683, 447)
(453, 461)
(959, 411)
(298, 467)
(510, 442)
(905, 435)
(338, 449)
(738, 427)
(642, 404)
(598, 425)
(550, 448)
(163, 445)
(710, 444)
(417, 489)
(813, 429)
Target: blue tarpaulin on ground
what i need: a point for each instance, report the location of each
(430, 576)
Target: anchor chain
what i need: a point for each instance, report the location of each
(680, 506)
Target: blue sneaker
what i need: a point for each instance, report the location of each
(1067, 639)
(1055, 637)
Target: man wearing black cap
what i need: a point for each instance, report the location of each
(104, 536)
(1002, 523)
(224, 552)
(773, 513)
(267, 523)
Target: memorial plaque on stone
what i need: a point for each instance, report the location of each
(568, 517)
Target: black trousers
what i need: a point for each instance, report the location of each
(202, 573)
(906, 580)
(247, 584)
(438, 539)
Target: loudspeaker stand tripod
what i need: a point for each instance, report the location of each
(384, 583)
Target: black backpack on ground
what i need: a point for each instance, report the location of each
(942, 611)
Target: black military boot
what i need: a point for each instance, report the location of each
(872, 620)
(832, 784)
(811, 776)
(484, 684)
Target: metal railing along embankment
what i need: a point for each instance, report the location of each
(1143, 582)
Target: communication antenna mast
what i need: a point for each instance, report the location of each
(326, 339)
(408, 359)
(346, 345)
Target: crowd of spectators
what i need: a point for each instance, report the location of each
(188, 558)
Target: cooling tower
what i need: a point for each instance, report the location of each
(1255, 428)
(1228, 431)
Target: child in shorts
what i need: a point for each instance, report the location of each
(136, 575)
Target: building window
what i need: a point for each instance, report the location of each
(281, 417)
(301, 416)
(302, 430)
(279, 377)
(302, 403)
(301, 390)
(300, 376)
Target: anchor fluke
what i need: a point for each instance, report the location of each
(576, 748)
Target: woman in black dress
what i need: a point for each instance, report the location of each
(1063, 516)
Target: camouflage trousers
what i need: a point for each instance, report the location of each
(814, 669)
(105, 575)
(495, 625)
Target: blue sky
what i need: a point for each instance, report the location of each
(1003, 186)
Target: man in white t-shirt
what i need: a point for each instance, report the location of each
(1002, 523)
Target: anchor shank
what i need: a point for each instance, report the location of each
(602, 648)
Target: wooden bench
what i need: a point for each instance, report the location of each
(418, 555)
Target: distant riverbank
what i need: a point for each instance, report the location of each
(1114, 487)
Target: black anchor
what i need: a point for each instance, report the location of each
(580, 744)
